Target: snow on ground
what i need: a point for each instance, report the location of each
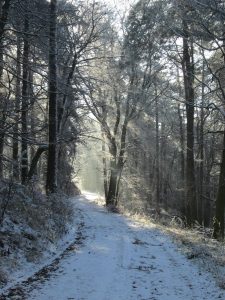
(52, 251)
(120, 259)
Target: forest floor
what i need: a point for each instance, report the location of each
(113, 257)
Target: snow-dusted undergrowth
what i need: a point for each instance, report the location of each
(33, 230)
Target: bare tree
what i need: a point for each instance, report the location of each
(51, 181)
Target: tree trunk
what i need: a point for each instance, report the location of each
(61, 107)
(201, 206)
(117, 171)
(218, 223)
(4, 16)
(188, 73)
(111, 193)
(15, 150)
(32, 118)
(157, 152)
(104, 164)
(3, 20)
(2, 133)
(207, 202)
(2, 140)
(35, 159)
(182, 157)
(207, 183)
(25, 96)
(51, 180)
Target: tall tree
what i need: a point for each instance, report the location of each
(4, 9)
(51, 180)
(15, 154)
(25, 104)
(4, 12)
(188, 73)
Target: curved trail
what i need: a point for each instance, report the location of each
(122, 260)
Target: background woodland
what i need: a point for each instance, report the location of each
(148, 86)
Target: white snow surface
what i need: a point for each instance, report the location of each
(122, 260)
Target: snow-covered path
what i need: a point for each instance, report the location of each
(123, 260)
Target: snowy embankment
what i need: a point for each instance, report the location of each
(117, 258)
(34, 230)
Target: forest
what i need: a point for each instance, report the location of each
(145, 85)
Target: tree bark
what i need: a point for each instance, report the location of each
(116, 165)
(51, 180)
(35, 160)
(201, 206)
(61, 109)
(157, 151)
(218, 222)
(2, 133)
(121, 161)
(3, 21)
(104, 164)
(182, 157)
(111, 194)
(25, 96)
(15, 154)
(4, 16)
(188, 74)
